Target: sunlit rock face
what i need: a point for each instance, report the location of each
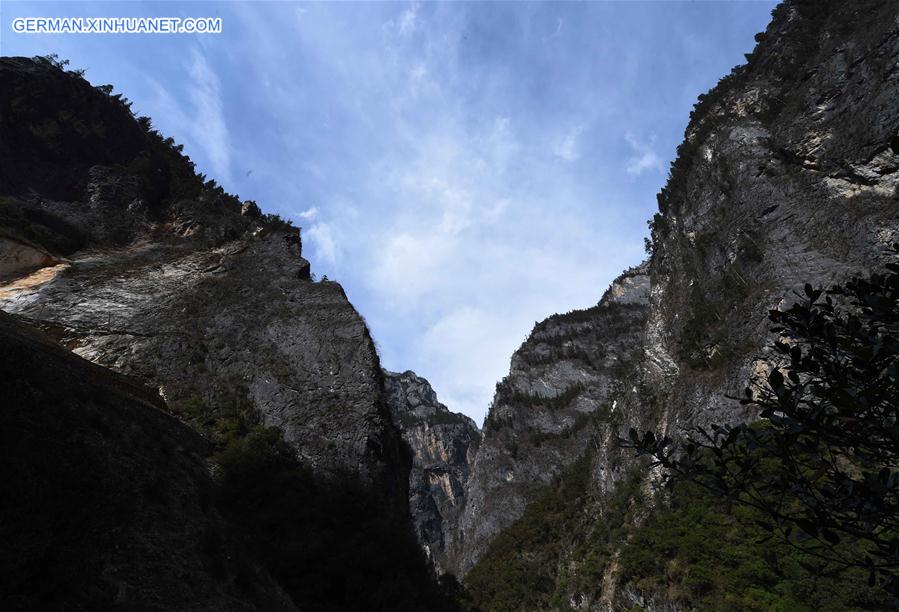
(443, 445)
(17, 258)
(788, 173)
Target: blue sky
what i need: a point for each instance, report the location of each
(463, 169)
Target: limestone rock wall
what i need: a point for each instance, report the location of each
(443, 445)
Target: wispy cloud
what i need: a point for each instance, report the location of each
(455, 333)
(646, 159)
(309, 214)
(199, 121)
(324, 246)
(465, 231)
(209, 118)
(556, 32)
(568, 147)
(407, 21)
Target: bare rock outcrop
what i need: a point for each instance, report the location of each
(443, 445)
(564, 387)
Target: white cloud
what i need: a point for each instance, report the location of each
(646, 161)
(210, 130)
(404, 25)
(309, 214)
(441, 204)
(324, 245)
(556, 32)
(410, 266)
(467, 384)
(200, 125)
(498, 146)
(646, 158)
(567, 147)
(407, 21)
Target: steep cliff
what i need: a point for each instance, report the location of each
(788, 174)
(443, 445)
(228, 443)
(565, 382)
(145, 268)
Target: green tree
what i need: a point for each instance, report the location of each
(822, 464)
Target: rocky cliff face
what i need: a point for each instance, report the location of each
(143, 268)
(443, 445)
(145, 464)
(565, 380)
(227, 326)
(788, 174)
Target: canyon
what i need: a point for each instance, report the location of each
(154, 323)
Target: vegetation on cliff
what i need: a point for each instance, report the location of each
(520, 566)
(821, 471)
(44, 151)
(688, 550)
(818, 471)
(697, 551)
